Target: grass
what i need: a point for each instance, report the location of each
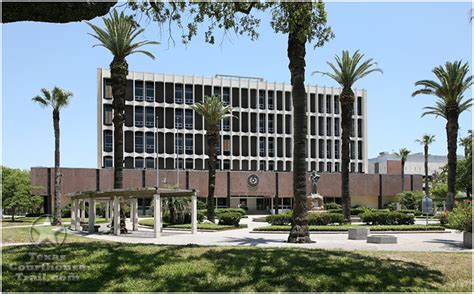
(22, 235)
(343, 228)
(140, 267)
(149, 222)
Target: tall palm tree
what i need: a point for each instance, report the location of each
(213, 110)
(466, 142)
(348, 70)
(119, 38)
(453, 81)
(56, 99)
(403, 154)
(426, 140)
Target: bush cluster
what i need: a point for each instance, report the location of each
(332, 205)
(461, 217)
(202, 213)
(325, 218)
(410, 211)
(354, 211)
(387, 218)
(229, 218)
(442, 217)
(279, 219)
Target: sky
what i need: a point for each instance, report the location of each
(406, 39)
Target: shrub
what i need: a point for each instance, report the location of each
(279, 219)
(461, 217)
(442, 217)
(200, 215)
(410, 211)
(410, 199)
(229, 218)
(387, 218)
(354, 211)
(66, 211)
(332, 205)
(392, 205)
(324, 218)
(219, 211)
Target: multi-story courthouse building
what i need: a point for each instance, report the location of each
(162, 131)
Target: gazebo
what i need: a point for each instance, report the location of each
(112, 199)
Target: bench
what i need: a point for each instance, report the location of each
(358, 233)
(382, 239)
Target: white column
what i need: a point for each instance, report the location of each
(107, 209)
(73, 214)
(157, 215)
(194, 213)
(135, 214)
(132, 212)
(116, 216)
(78, 215)
(91, 215)
(83, 209)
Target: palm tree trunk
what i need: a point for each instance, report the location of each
(119, 71)
(347, 105)
(57, 171)
(403, 175)
(296, 54)
(452, 137)
(212, 141)
(427, 185)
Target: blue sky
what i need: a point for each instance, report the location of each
(406, 39)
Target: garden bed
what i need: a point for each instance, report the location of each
(344, 228)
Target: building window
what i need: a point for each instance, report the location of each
(328, 103)
(320, 103)
(262, 145)
(336, 167)
(263, 165)
(359, 105)
(138, 90)
(271, 100)
(178, 93)
(352, 147)
(328, 126)
(139, 142)
(321, 167)
(226, 164)
(226, 124)
(262, 123)
(179, 144)
(328, 149)
(271, 165)
(337, 127)
(149, 117)
(321, 148)
(108, 162)
(188, 94)
(329, 167)
(217, 91)
(359, 149)
(108, 141)
(178, 119)
(336, 104)
(150, 143)
(150, 162)
(188, 119)
(189, 163)
(271, 147)
(261, 99)
(226, 145)
(108, 89)
(139, 116)
(189, 144)
(353, 128)
(149, 91)
(359, 128)
(226, 96)
(352, 167)
(107, 114)
(271, 123)
(336, 149)
(360, 167)
(139, 162)
(321, 126)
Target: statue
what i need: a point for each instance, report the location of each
(314, 182)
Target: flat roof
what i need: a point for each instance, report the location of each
(132, 193)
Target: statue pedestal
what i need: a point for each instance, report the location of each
(315, 202)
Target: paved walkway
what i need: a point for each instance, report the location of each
(447, 242)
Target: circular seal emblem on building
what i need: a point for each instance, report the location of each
(252, 180)
(42, 234)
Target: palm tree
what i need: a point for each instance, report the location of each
(119, 38)
(426, 140)
(346, 72)
(403, 154)
(213, 110)
(453, 81)
(466, 142)
(57, 99)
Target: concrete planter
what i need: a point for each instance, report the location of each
(467, 239)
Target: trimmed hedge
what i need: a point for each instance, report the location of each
(279, 219)
(324, 218)
(354, 211)
(332, 205)
(387, 218)
(202, 213)
(345, 228)
(229, 218)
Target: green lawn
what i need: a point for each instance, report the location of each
(213, 227)
(134, 267)
(6, 222)
(343, 228)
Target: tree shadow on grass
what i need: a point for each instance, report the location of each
(136, 267)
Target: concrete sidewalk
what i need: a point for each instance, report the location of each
(446, 242)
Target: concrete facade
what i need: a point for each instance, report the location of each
(233, 187)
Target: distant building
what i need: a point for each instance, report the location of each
(390, 163)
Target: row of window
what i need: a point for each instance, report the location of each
(239, 97)
(145, 117)
(245, 165)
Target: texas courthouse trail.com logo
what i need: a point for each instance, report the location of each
(41, 234)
